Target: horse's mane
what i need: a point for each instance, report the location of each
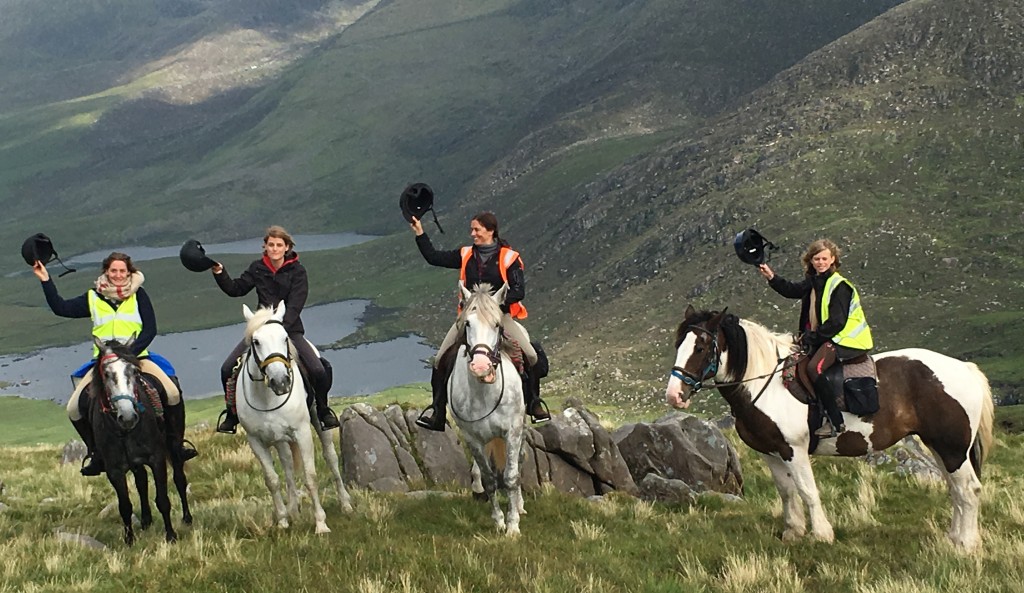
(258, 320)
(483, 305)
(751, 347)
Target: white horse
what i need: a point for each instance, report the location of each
(271, 402)
(485, 394)
(946, 402)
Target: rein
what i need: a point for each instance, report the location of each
(493, 355)
(711, 369)
(263, 364)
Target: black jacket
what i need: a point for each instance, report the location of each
(289, 284)
(477, 271)
(838, 307)
(78, 307)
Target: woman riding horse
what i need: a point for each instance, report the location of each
(832, 323)
(120, 309)
(489, 261)
(277, 276)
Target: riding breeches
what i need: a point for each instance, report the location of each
(512, 328)
(146, 366)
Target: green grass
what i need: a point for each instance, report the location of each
(889, 535)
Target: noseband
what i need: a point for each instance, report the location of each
(710, 368)
(270, 358)
(493, 353)
(101, 366)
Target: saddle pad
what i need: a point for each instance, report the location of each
(862, 367)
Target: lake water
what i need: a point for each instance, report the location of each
(197, 356)
(253, 246)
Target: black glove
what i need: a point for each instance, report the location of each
(810, 340)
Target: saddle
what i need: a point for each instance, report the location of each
(860, 383)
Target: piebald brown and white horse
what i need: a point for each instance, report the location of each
(946, 402)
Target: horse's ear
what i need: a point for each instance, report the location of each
(464, 292)
(279, 311)
(246, 312)
(690, 312)
(99, 343)
(131, 340)
(499, 297)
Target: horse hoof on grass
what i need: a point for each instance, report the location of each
(824, 536)
(792, 535)
(282, 524)
(322, 529)
(187, 519)
(512, 532)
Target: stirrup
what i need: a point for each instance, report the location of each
(545, 414)
(91, 466)
(327, 418)
(431, 422)
(186, 453)
(227, 424)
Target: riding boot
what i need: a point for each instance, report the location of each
(435, 417)
(174, 418)
(228, 421)
(825, 389)
(535, 406)
(328, 419)
(92, 464)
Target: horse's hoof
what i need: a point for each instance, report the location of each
(792, 535)
(346, 507)
(512, 531)
(322, 528)
(283, 524)
(826, 536)
(187, 519)
(172, 537)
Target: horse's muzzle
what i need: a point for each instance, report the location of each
(280, 386)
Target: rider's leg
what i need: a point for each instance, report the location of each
(93, 463)
(433, 418)
(228, 421)
(320, 380)
(535, 406)
(174, 412)
(822, 370)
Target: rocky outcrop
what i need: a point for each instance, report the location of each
(680, 447)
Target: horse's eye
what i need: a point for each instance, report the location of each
(699, 349)
(255, 342)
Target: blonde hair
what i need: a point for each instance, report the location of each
(817, 247)
(278, 232)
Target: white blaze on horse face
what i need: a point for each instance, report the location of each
(478, 336)
(115, 375)
(677, 394)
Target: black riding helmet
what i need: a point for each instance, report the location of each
(750, 247)
(194, 257)
(39, 247)
(416, 200)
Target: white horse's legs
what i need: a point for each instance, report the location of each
(284, 451)
(302, 449)
(513, 447)
(489, 480)
(794, 524)
(965, 494)
(803, 479)
(271, 480)
(331, 457)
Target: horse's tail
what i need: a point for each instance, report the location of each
(495, 451)
(983, 440)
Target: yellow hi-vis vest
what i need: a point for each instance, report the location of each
(506, 257)
(118, 324)
(856, 333)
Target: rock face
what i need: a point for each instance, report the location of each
(679, 447)
(385, 451)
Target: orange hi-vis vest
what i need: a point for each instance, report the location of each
(506, 257)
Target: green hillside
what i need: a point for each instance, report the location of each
(622, 144)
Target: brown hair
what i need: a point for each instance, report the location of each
(489, 221)
(118, 256)
(817, 247)
(278, 232)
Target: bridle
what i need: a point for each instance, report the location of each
(711, 368)
(262, 366)
(493, 354)
(101, 367)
